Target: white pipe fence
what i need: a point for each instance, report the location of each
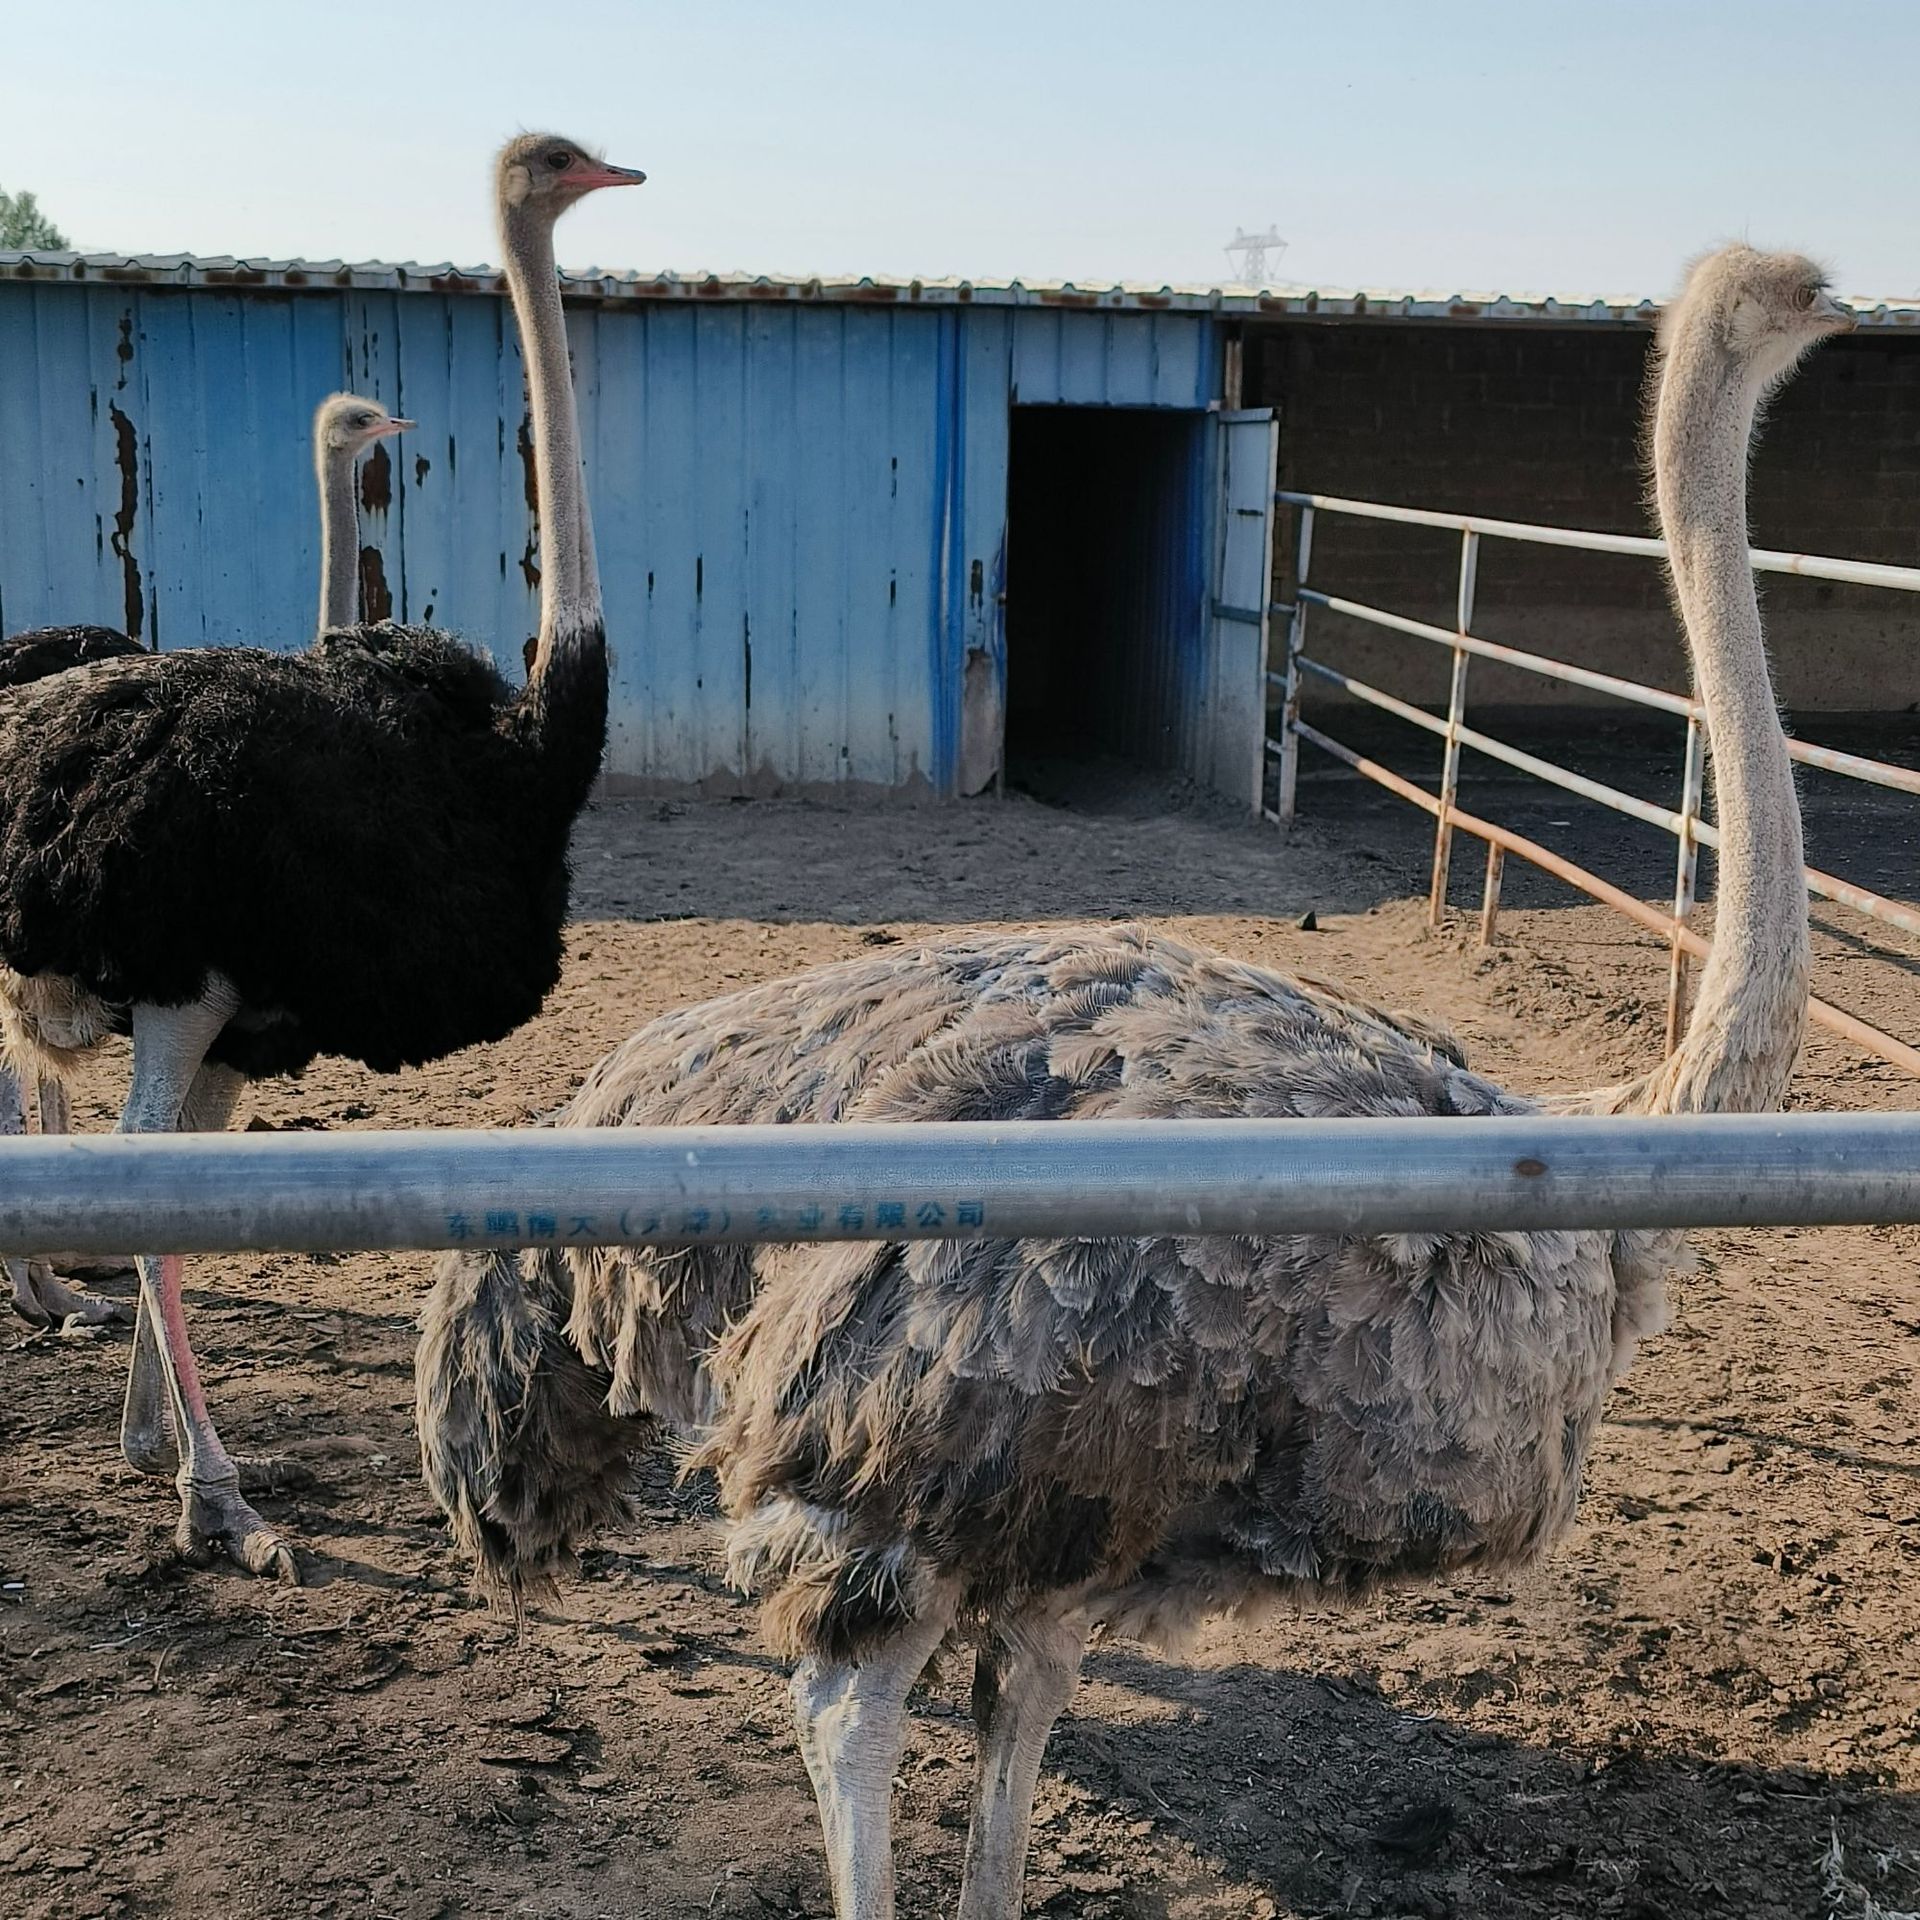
(219, 1193)
(1686, 824)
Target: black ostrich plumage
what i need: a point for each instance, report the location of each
(368, 838)
(43, 650)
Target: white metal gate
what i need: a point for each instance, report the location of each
(1229, 752)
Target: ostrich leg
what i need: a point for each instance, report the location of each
(56, 1117)
(851, 1720)
(169, 1047)
(13, 1121)
(146, 1425)
(1022, 1679)
(38, 1297)
(147, 1433)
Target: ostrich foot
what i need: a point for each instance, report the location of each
(216, 1521)
(154, 1453)
(42, 1300)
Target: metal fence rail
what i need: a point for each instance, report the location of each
(1684, 822)
(215, 1193)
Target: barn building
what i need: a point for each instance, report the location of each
(894, 537)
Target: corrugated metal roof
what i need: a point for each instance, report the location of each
(1270, 303)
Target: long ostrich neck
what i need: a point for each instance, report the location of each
(339, 536)
(569, 580)
(1750, 1015)
(563, 713)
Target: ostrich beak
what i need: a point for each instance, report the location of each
(1836, 313)
(394, 426)
(603, 173)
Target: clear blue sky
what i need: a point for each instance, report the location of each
(1520, 145)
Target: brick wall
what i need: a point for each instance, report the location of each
(1543, 424)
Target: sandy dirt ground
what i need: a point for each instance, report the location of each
(1706, 1704)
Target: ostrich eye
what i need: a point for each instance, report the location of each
(1804, 297)
(363, 420)
(559, 159)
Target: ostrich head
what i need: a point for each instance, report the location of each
(347, 424)
(545, 173)
(1762, 311)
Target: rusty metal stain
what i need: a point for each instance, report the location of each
(123, 349)
(376, 600)
(529, 565)
(126, 458)
(376, 481)
(422, 466)
(530, 478)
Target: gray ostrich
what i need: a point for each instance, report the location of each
(345, 426)
(1024, 1443)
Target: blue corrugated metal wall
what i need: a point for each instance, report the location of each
(800, 508)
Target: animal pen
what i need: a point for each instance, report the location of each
(983, 516)
(1685, 820)
(355, 1705)
(868, 536)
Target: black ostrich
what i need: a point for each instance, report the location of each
(44, 650)
(344, 427)
(247, 859)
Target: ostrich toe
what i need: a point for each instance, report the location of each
(42, 1299)
(258, 1472)
(271, 1473)
(215, 1520)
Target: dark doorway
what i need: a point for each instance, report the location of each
(1105, 588)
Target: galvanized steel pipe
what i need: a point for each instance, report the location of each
(1812, 566)
(208, 1193)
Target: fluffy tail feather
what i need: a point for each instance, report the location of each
(516, 1443)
